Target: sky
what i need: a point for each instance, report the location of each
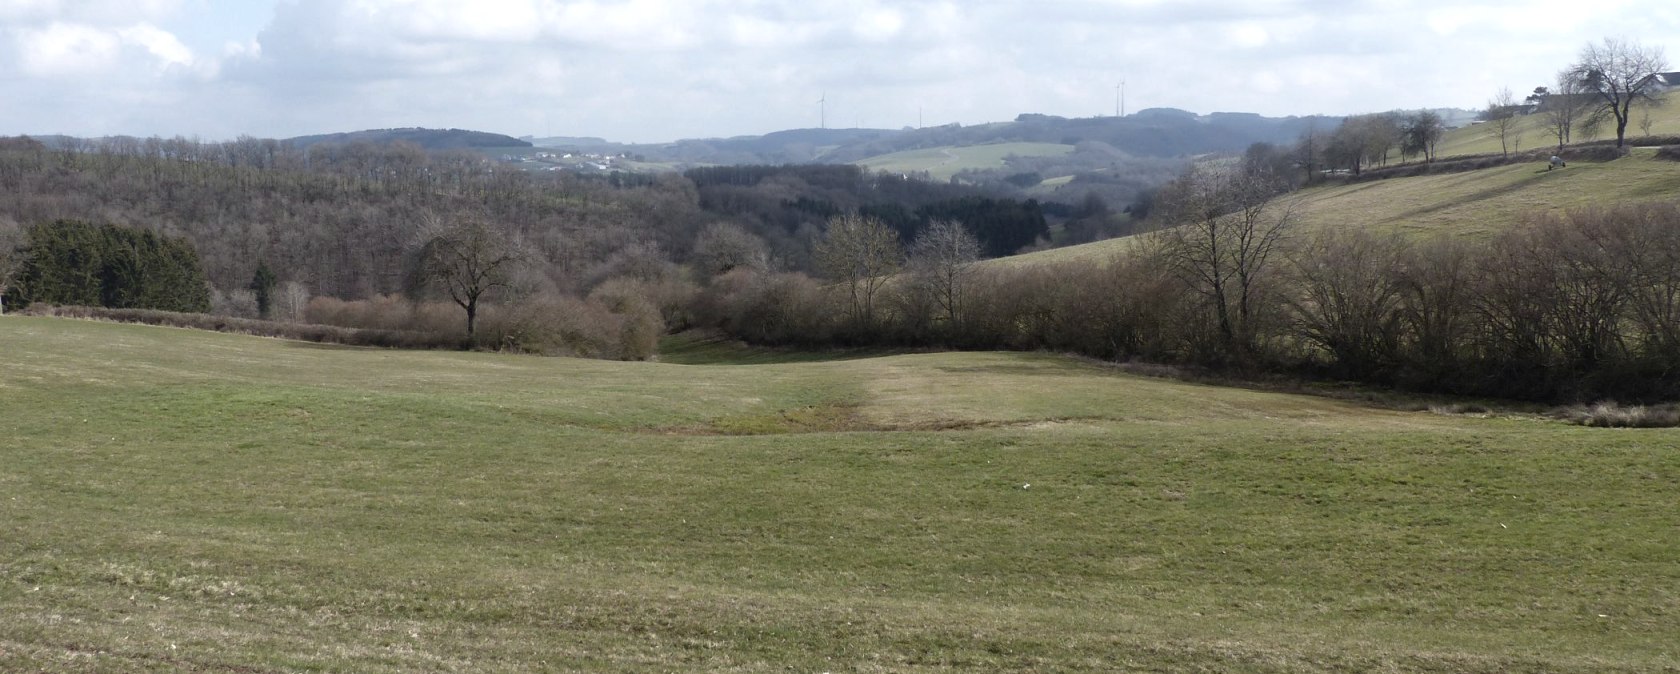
(660, 70)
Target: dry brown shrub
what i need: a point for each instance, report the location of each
(1609, 414)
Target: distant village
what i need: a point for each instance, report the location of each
(570, 161)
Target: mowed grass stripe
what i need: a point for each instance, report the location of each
(173, 499)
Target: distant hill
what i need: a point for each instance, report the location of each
(1155, 132)
(430, 139)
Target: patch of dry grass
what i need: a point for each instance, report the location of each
(1610, 414)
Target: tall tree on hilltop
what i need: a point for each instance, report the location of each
(1500, 116)
(1618, 74)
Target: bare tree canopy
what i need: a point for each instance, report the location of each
(860, 252)
(1501, 119)
(943, 258)
(723, 246)
(1618, 74)
(1564, 106)
(1227, 229)
(467, 260)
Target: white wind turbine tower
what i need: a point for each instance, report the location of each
(822, 107)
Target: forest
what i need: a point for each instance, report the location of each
(393, 238)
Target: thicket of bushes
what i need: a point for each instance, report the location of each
(1574, 307)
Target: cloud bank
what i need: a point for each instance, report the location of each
(649, 70)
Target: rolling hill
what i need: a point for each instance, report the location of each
(941, 163)
(430, 139)
(178, 500)
(1533, 131)
(1474, 203)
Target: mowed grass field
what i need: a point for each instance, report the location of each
(176, 500)
(1473, 204)
(943, 162)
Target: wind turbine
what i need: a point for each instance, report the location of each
(822, 106)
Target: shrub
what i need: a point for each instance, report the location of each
(554, 325)
(1609, 414)
(250, 326)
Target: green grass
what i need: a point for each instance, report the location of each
(1473, 203)
(943, 162)
(1532, 131)
(174, 500)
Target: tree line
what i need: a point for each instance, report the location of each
(1575, 306)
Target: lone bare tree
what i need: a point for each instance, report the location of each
(862, 253)
(1227, 229)
(943, 258)
(467, 260)
(1501, 119)
(1618, 74)
(1563, 106)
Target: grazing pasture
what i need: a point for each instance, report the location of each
(1473, 203)
(943, 162)
(178, 500)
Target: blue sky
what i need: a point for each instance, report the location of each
(654, 70)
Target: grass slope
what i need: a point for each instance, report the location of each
(943, 162)
(174, 500)
(1474, 203)
(1532, 131)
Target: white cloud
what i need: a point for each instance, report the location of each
(662, 69)
(66, 50)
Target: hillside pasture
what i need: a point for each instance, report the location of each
(1474, 203)
(177, 500)
(1533, 131)
(941, 163)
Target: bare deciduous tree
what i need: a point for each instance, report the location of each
(1227, 230)
(942, 258)
(1500, 116)
(1346, 298)
(860, 252)
(1563, 107)
(1619, 74)
(468, 260)
(1436, 282)
(290, 302)
(724, 246)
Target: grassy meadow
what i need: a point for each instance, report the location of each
(943, 162)
(1473, 203)
(177, 500)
